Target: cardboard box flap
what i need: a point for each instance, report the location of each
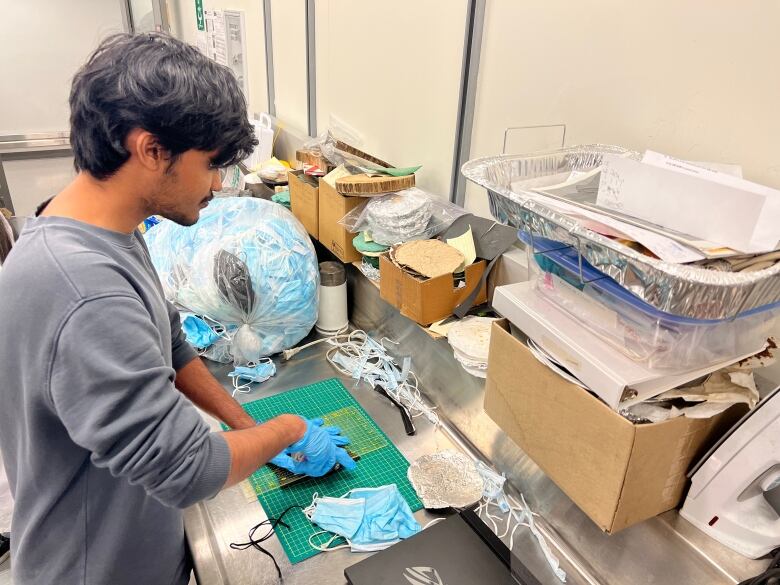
(559, 426)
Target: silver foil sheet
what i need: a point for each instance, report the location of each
(685, 290)
(446, 479)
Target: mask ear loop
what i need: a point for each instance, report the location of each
(246, 387)
(308, 511)
(326, 546)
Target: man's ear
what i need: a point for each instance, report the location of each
(147, 151)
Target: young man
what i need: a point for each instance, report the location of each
(101, 441)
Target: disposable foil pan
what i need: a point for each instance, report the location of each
(446, 479)
(685, 290)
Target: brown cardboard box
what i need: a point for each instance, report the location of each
(427, 301)
(333, 235)
(304, 200)
(313, 157)
(617, 472)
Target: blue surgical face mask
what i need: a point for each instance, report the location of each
(243, 376)
(370, 519)
(198, 332)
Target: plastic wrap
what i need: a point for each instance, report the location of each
(411, 214)
(248, 267)
(684, 290)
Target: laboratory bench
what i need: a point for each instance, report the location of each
(663, 550)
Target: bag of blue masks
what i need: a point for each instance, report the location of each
(249, 265)
(369, 519)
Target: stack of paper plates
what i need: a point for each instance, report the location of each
(399, 217)
(470, 341)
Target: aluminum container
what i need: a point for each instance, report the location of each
(679, 289)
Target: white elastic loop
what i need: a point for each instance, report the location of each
(325, 546)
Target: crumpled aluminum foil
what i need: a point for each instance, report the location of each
(688, 291)
(445, 479)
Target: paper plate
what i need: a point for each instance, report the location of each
(470, 337)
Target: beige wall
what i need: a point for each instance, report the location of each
(391, 71)
(690, 78)
(288, 18)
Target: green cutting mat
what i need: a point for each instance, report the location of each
(381, 462)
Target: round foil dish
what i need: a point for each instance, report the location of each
(446, 479)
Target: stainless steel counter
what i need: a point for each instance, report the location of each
(213, 525)
(664, 550)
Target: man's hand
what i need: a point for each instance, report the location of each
(198, 384)
(320, 449)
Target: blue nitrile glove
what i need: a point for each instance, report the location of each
(319, 450)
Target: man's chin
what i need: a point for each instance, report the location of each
(183, 220)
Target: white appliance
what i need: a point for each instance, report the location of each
(735, 489)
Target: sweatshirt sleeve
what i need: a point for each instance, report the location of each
(115, 395)
(182, 352)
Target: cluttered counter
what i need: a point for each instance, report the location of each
(612, 372)
(665, 549)
(213, 525)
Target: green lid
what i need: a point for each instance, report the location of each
(368, 248)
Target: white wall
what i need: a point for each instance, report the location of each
(693, 79)
(35, 180)
(391, 71)
(183, 25)
(288, 21)
(43, 44)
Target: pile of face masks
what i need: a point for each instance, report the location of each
(517, 515)
(369, 519)
(359, 356)
(247, 271)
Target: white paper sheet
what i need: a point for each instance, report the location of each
(665, 248)
(714, 206)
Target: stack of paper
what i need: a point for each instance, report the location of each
(711, 205)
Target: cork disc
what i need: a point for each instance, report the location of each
(431, 258)
(364, 186)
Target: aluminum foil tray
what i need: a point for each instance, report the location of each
(685, 290)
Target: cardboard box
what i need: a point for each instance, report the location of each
(333, 235)
(427, 301)
(614, 377)
(617, 472)
(313, 157)
(304, 200)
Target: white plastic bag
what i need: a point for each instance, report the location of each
(411, 214)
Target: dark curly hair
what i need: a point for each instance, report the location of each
(164, 86)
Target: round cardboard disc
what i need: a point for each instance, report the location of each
(430, 258)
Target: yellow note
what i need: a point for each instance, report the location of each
(465, 244)
(338, 173)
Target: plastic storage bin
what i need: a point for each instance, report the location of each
(657, 339)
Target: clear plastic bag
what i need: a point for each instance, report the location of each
(411, 214)
(249, 267)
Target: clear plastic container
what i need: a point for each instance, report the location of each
(643, 333)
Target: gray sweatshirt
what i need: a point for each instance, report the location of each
(102, 452)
